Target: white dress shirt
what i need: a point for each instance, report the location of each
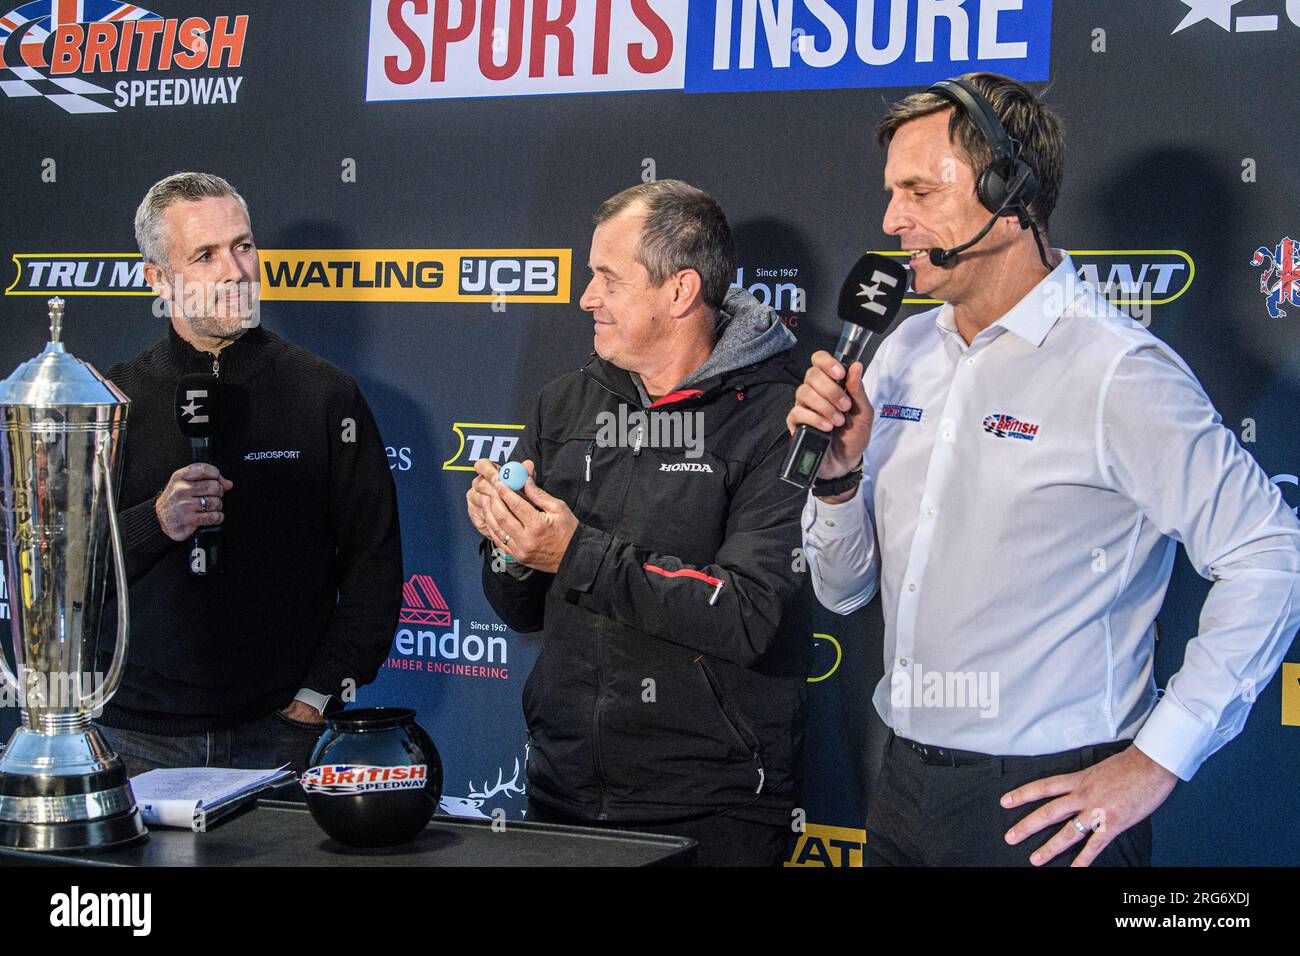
(1022, 500)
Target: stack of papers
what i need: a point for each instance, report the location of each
(196, 797)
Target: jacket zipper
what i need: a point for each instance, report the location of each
(601, 812)
(690, 573)
(216, 367)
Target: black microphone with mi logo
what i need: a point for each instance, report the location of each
(198, 411)
(869, 300)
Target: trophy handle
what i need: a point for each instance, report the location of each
(98, 697)
(7, 678)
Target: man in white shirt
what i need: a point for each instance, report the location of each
(1030, 457)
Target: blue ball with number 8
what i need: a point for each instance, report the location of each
(513, 475)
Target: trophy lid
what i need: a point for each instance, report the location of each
(56, 378)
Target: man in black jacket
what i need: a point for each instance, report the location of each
(667, 696)
(236, 667)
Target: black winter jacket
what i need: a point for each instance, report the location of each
(666, 686)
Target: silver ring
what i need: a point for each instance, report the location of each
(506, 540)
(203, 503)
(1078, 826)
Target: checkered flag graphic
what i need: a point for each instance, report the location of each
(68, 92)
(24, 32)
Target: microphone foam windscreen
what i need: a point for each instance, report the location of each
(198, 405)
(873, 293)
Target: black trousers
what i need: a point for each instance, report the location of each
(926, 811)
(724, 839)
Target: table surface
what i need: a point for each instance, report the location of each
(280, 833)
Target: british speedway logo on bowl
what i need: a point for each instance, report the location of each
(338, 779)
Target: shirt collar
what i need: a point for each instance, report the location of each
(1033, 316)
(236, 360)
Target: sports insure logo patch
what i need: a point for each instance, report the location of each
(1008, 426)
(904, 413)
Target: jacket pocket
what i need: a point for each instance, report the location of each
(732, 717)
(571, 472)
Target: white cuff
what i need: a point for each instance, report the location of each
(312, 699)
(843, 520)
(1174, 738)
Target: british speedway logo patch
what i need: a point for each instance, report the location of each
(1008, 426)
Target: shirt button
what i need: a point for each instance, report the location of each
(947, 436)
(902, 662)
(970, 361)
(911, 587)
(930, 511)
(829, 523)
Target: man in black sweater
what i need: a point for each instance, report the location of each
(236, 667)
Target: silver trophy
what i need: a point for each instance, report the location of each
(61, 425)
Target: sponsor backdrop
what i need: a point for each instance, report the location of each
(422, 175)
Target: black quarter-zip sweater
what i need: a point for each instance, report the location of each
(311, 587)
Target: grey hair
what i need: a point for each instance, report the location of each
(684, 228)
(151, 227)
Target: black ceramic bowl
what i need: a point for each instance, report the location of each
(375, 777)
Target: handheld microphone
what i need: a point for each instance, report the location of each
(943, 258)
(869, 299)
(198, 411)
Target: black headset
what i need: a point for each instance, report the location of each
(1007, 167)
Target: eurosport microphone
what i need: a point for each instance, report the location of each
(869, 299)
(198, 410)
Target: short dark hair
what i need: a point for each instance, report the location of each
(1025, 118)
(684, 228)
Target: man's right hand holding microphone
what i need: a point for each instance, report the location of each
(825, 404)
(191, 500)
